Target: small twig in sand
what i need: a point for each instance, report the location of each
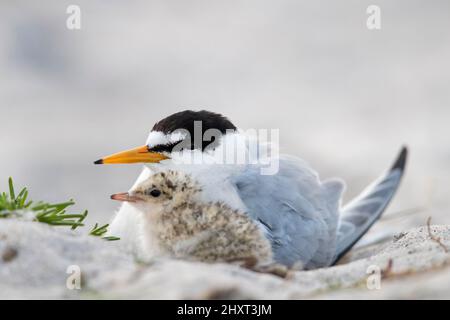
(433, 237)
(386, 272)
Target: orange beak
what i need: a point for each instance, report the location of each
(125, 196)
(136, 155)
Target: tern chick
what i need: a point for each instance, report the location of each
(178, 225)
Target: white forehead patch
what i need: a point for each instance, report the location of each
(157, 138)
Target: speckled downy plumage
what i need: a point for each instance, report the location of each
(178, 225)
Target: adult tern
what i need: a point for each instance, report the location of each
(302, 215)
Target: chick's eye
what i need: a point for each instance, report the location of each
(154, 193)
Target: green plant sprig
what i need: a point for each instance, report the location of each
(52, 214)
(100, 231)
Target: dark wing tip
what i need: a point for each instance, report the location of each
(100, 161)
(401, 160)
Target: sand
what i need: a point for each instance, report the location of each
(35, 259)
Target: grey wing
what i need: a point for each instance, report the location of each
(298, 211)
(361, 213)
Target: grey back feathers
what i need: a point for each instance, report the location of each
(300, 212)
(302, 215)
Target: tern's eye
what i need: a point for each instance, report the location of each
(153, 192)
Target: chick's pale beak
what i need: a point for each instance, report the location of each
(125, 196)
(135, 155)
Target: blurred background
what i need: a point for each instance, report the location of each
(345, 98)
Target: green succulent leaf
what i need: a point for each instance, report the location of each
(54, 214)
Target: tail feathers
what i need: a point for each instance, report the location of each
(362, 212)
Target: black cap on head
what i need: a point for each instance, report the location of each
(185, 120)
